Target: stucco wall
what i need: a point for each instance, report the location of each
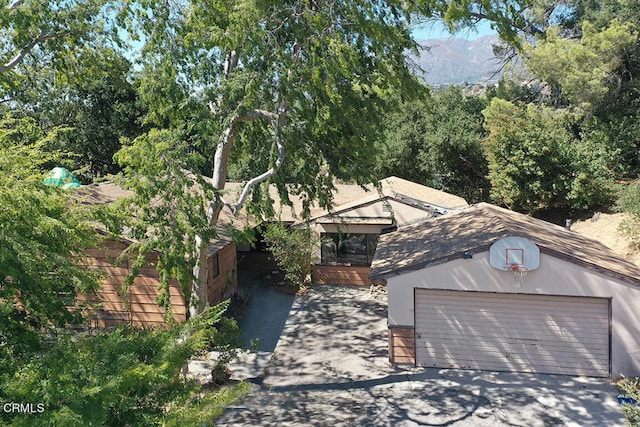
(554, 277)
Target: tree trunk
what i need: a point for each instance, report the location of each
(199, 297)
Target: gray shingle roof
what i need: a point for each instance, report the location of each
(475, 228)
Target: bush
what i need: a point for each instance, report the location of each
(630, 387)
(123, 377)
(292, 251)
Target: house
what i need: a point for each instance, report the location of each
(348, 232)
(143, 309)
(458, 296)
(347, 237)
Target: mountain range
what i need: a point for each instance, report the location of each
(450, 61)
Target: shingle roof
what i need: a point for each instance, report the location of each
(344, 193)
(475, 228)
(107, 192)
(401, 190)
(395, 186)
(345, 197)
(102, 193)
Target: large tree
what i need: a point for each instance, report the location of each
(536, 163)
(437, 141)
(303, 85)
(47, 34)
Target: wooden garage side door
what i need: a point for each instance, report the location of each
(517, 333)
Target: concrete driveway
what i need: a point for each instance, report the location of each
(330, 368)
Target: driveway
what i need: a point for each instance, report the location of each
(330, 368)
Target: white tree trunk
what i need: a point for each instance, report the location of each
(199, 297)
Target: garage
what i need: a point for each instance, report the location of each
(486, 288)
(523, 333)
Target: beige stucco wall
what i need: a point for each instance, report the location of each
(554, 277)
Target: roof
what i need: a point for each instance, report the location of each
(475, 228)
(345, 197)
(342, 194)
(401, 190)
(396, 187)
(102, 193)
(107, 192)
(351, 196)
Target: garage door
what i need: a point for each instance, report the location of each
(517, 333)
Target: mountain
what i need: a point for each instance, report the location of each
(453, 61)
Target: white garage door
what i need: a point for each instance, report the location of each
(518, 333)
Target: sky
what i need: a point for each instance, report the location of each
(435, 30)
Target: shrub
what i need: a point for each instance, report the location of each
(123, 377)
(631, 388)
(292, 251)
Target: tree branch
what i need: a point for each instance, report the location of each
(258, 179)
(25, 51)
(14, 4)
(278, 120)
(527, 29)
(222, 154)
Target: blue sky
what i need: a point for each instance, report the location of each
(435, 30)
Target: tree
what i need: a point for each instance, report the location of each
(438, 142)
(582, 70)
(43, 232)
(306, 81)
(510, 18)
(535, 162)
(98, 104)
(46, 34)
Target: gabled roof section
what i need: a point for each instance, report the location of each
(475, 228)
(403, 191)
(344, 193)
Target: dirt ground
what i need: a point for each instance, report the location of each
(604, 228)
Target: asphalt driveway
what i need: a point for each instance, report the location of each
(330, 368)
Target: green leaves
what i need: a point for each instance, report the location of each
(169, 205)
(117, 378)
(292, 250)
(585, 69)
(438, 142)
(535, 163)
(43, 233)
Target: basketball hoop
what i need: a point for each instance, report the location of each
(515, 254)
(519, 271)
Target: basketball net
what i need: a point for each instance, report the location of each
(519, 271)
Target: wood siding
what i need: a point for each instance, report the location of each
(511, 332)
(109, 307)
(224, 284)
(402, 345)
(341, 275)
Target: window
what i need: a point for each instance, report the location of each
(356, 249)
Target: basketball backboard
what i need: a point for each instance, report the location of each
(514, 251)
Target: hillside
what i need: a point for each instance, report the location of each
(605, 230)
(452, 61)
